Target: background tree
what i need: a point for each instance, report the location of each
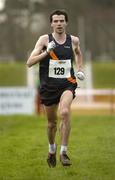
(22, 21)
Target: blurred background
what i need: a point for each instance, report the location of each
(23, 21)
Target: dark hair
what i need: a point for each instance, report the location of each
(59, 12)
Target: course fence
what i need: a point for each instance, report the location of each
(95, 99)
(21, 100)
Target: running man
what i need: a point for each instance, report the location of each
(55, 54)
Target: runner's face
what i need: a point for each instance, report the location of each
(58, 23)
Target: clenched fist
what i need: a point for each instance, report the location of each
(51, 46)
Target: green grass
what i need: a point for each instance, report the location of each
(103, 75)
(13, 74)
(23, 149)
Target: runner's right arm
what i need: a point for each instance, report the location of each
(38, 54)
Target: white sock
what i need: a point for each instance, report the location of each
(52, 148)
(63, 149)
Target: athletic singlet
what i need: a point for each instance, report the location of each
(56, 69)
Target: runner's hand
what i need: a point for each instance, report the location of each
(80, 75)
(51, 46)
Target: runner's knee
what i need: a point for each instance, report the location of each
(52, 125)
(64, 112)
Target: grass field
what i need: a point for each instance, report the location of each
(103, 75)
(15, 74)
(23, 149)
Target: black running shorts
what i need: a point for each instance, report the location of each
(50, 96)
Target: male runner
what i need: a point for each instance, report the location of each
(55, 54)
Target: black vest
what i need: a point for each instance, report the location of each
(63, 52)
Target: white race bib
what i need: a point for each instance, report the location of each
(59, 68)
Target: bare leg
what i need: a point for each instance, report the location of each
(51, 112)
(65, 103)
